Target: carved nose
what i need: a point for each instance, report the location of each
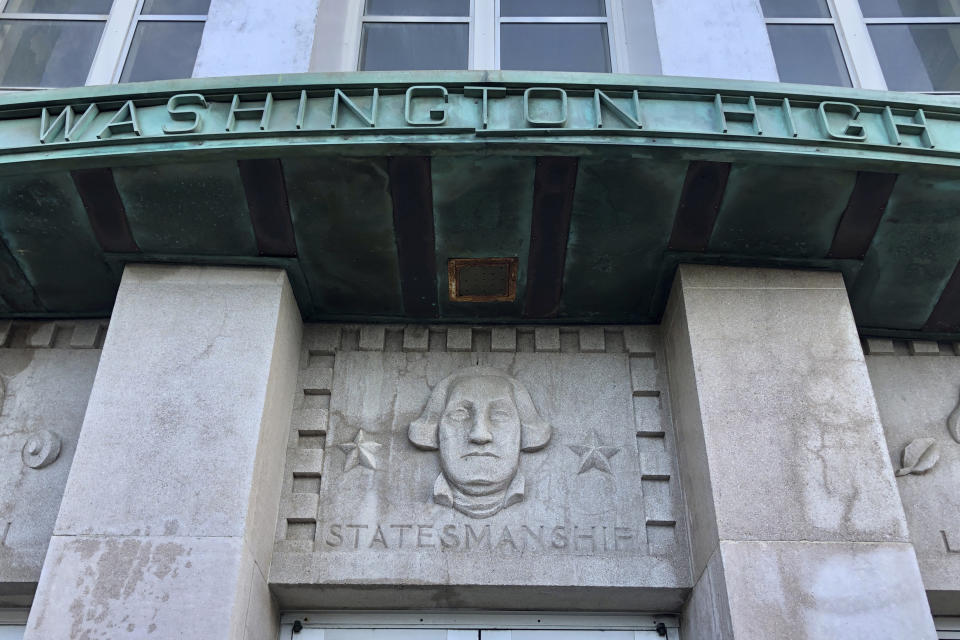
(480, 432)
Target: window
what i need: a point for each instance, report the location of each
(561, 35)
(415, 34)
(917, 42)
(471, 625)
(66, 43)
(165, 40)
(805, 41)
(49, 43)
(537, 35)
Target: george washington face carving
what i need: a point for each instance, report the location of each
(480, 419)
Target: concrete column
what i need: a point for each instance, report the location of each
(714, 39)
(797, 527)
(167, 522)
(249, 37)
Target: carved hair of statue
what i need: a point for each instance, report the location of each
(534, 430)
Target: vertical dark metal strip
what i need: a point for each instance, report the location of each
(16, 290)
(553, 186)
(945, 316)
(700, 200)
(859, 222)
(266, 192)
(411, 189)
(105, 210)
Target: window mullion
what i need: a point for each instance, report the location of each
(106, 62)
(351, 43)
(484, 35)
(852, 29)
(617, 36)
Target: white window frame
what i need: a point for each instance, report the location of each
(138, 17)
(66, 17)
(115, 40)
(374, 19)
(13, 622)
(612, 9)
(855, 43)
(948, 627)
(955, 20)
(484, 39)
(461, 625)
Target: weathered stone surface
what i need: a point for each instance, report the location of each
(44, 389)
(780, 378)
(915, 396)
(812, 590)
(785, 469)
(183, 450)
(150, 586)
(444, 467)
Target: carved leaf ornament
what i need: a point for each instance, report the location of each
(953, 423)
(919, 456)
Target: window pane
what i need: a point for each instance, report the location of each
(795, 8)
(176, 7)
(95, 7)
(918, 57)
(557, 8)
(418, 8)
(910, 8)
(809, 54)
(409, 46)
(47, 53)
(162, 51)
(554, 47)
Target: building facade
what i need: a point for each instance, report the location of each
(479, 319)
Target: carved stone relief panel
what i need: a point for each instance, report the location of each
(469, 458)
(917, 386)
(46, 373)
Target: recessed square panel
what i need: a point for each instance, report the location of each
(482, 279)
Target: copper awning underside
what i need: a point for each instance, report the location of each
(365, 227)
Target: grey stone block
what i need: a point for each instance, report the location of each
(41, 335)
(316, 380)
(195, 387)
(459, 338)
(371, 338)
(503, 339)
(547, 339)
(322, 339)
(86, 334)
(792, 400)
(787, 590)
(416, 338)
(592, 340)
(641, 341)
(879, 346)
(924, 347)
(157, 586)
(783, 462)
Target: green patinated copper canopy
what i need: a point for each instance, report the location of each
(364, 187)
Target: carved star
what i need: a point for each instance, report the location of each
(593, 455)
(360, 452)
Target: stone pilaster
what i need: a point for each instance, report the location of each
(167, 522)
(797, 528)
